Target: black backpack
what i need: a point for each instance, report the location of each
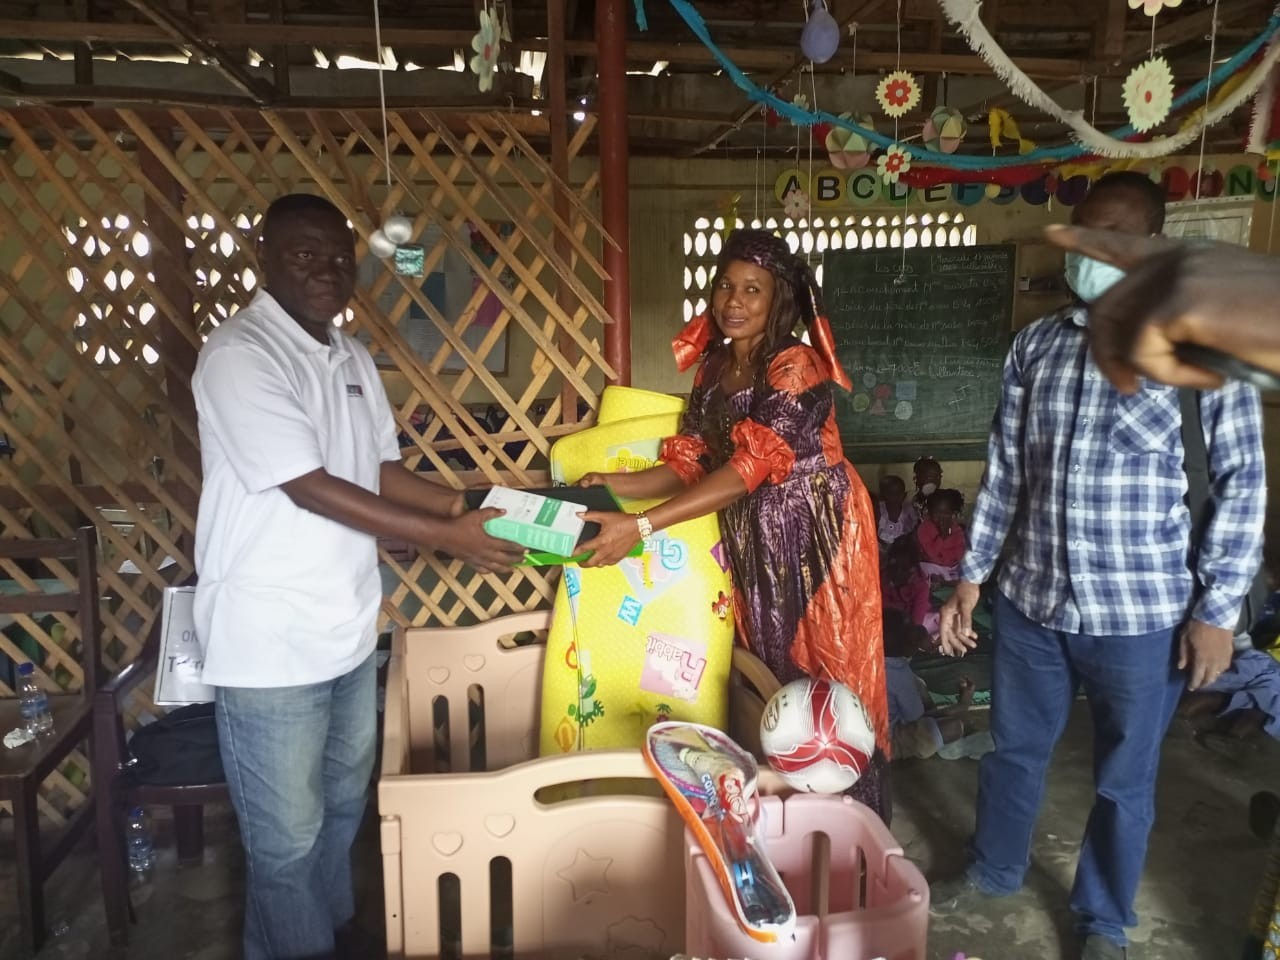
(179, 749)
(1200, 503)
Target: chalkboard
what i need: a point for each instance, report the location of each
(923, 338)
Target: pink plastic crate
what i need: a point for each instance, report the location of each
(857, 897)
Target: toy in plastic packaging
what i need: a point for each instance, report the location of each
(712, 782)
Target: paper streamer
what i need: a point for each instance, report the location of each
(959, 162)
(964, 15)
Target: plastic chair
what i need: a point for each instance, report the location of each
(24, 768)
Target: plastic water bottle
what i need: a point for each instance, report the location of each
(33, 703)
(142, 856)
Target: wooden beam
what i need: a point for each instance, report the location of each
(11, 85)
(257, 35)
(221, 60)
(1108, 33)
(280, 53)
(615, 149)
(262, 36)
(1192, 26)
(555, 79)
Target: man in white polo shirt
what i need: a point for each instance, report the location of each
(302, 473)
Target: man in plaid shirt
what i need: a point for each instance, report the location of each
(1082, 507)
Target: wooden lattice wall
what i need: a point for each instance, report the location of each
(125, 236)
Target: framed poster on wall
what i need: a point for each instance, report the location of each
(450, 288)
(1226, 220)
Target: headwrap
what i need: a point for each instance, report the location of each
(771, 252)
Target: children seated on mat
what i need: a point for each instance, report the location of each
(940, 536)
(920, 730)
(894, 516)
(927, 474)
(904, 588)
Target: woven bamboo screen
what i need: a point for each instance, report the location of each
(125, 237)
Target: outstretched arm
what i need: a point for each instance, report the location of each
(620, 532)
(1218, 296)
(402, 486)
(463, 537)
(652, 484)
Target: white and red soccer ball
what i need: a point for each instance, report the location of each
(817, 735)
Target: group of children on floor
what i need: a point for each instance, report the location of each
(922, 542)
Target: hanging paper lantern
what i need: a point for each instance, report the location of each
(1148, 93)
(380, 245)
(945, 130)
(1177, 184)
(897, 93)
(848, 150)
(893, 163)
(398, 228)
(821, 35)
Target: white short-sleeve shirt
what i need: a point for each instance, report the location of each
(285, 596)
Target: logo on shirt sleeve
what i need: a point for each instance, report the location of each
(355, 390)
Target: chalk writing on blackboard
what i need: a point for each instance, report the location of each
(923, 338)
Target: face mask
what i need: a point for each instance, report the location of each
(1089, 279)
(928, 488)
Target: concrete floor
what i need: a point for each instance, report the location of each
(1200, 874)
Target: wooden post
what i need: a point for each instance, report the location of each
(558, 118)
(169, 260)
(611, 42)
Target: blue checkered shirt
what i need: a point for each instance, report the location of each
(1083, 504)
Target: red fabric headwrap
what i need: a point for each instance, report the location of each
(825, 344)
(690, 343)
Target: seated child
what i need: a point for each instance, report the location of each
(895, 518)
(927, 473)
(918, 729)
(941, 538)
(903, 587)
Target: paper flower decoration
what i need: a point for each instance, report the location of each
(893, 163)
(800, 102)
(485, 43)
(945, 130)
(796, 204)
(848, 150)
(1148, 93)
(1152, 7)
(897, 93)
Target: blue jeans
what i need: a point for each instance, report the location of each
(298, 761)
(1133, 685)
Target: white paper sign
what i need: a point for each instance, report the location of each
(181, 659)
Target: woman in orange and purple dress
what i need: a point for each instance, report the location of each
(759, 445)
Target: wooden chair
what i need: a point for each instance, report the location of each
(23, 769)
(117, 793)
